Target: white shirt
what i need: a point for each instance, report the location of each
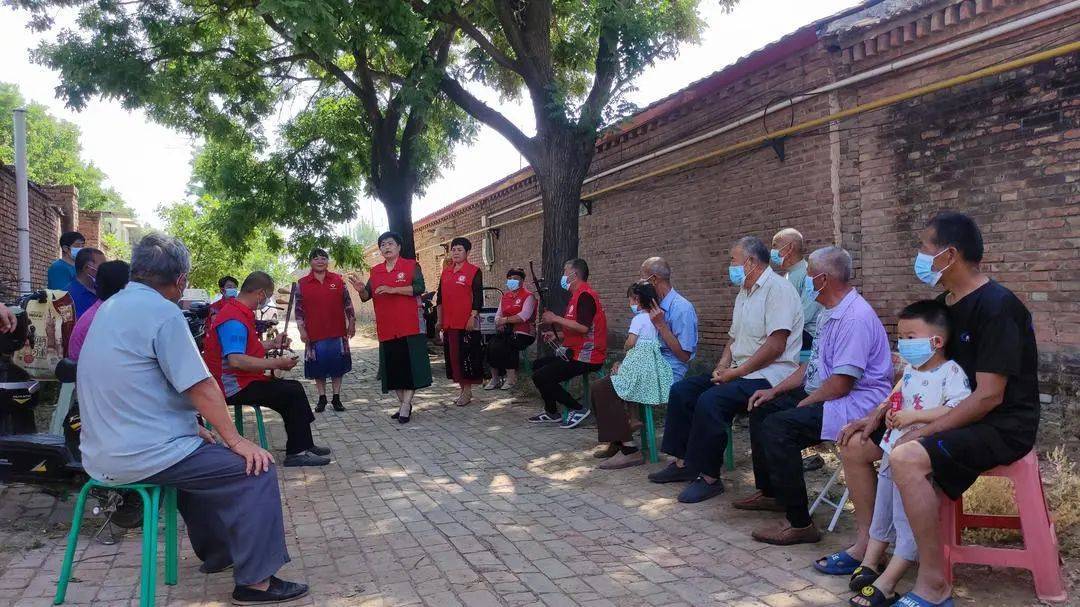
(770, 305)
(945, 386)
(641, 325)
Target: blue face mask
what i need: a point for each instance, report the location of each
(565, 283)
(808, 287)
(635, 308)
(737, 275)
(924, 268)
(75, 252)
(915, 351)
(775, 258)
(232, 292)
(513, 284)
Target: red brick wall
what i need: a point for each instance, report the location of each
(90, 227)
(45, 220)
(1005, 149)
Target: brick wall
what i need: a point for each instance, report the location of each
(90, 227)
(45, 229)
(1005, 149)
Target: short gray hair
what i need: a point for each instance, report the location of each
(159, 260)
(659, 267)
(753, 247)
(833, 261)
(792, 235)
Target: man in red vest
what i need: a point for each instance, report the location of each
(584, 347)
(237, 360)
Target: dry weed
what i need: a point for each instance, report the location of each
(1061, 483)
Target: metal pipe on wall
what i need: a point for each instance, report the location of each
(22, 199)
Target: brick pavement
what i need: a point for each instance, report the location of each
(466, 506)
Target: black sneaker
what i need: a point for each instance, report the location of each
(317, 450)
(574, 418)
(321, 405)
(673, 474)
(336, 402)
(305, 458)
(279, 591)
(545, 418)
(700, 490)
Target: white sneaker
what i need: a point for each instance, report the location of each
(574, 419)
(506, 385)
(494, 383)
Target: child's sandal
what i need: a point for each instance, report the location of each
(862, 577)
(872, 596)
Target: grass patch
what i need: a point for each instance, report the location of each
(1061, 483)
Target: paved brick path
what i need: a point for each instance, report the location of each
(466, 506)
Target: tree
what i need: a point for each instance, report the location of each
(190, 221)
(364, 233)
(574, 59)
(370, 71)
(54, 154)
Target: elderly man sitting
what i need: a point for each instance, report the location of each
(787, 255)
(849, 373)
(140, 383)
(766, 333)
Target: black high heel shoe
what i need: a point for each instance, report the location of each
(402, 419)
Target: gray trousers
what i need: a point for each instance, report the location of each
(231, 517)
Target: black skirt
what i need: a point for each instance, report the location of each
(404, 364)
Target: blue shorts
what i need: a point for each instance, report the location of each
(327, 358)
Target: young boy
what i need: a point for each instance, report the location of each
(930, 385)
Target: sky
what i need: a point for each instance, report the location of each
(150, 165)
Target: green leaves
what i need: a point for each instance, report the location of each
(54, 153)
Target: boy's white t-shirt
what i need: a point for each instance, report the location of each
(945, 386)
(641, 325)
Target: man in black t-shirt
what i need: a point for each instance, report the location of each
(994, 342)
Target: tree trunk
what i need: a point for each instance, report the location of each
(561, 168)
(398, 204)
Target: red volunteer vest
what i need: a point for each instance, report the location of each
(396, 316)
(230, 380)
(324, 306)
(511, 305)
(456, 298)
(592, 346)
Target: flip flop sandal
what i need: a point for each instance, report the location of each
(913, 600)
(873, 597)
(862, 577)
(837, 563)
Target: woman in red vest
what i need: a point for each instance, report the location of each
(395, 287)
(324, 316)
(515, 329)
(460, 297)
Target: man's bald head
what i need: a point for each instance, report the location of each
(656, 266)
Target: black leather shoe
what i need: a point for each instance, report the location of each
(317, 450)
(336, 402)
(321, 405)
(279, 592)
(673, 474)
(305, 458)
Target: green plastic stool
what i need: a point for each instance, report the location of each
(238, 421)
(648, 439)
(151, 499)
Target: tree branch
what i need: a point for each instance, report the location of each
(607, 64)
(489, 116)
(456, 19)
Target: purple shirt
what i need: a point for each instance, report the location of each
(851, 340)
(78, 333)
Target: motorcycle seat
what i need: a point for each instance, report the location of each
(23, 441)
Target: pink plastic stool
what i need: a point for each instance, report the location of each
(1040, 553)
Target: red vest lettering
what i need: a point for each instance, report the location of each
(324, 306)
(396, 316)
(456, 296)
(511, 305)
(592, 346)
(231, 380)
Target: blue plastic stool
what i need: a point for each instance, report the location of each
(151, 500)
